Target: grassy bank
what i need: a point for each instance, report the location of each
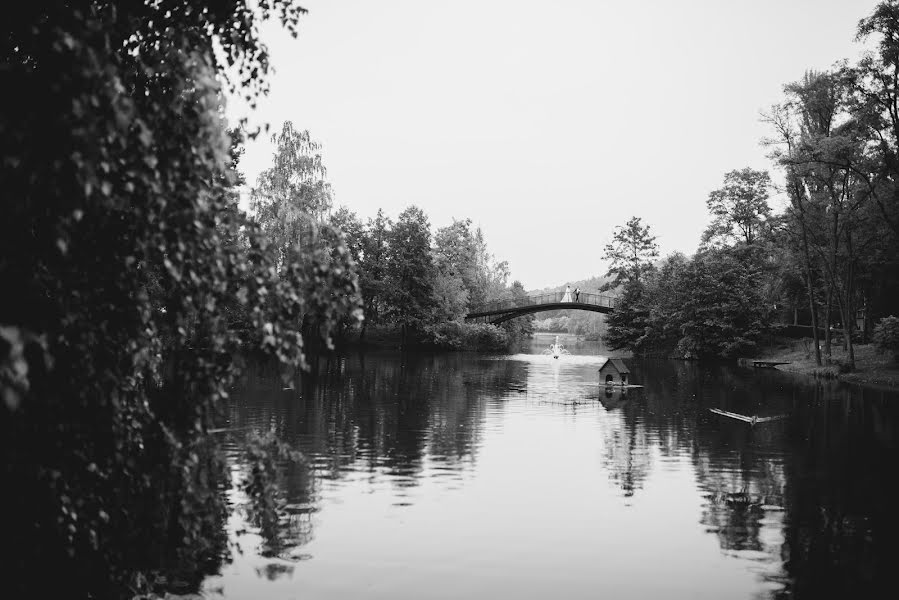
(871, 366)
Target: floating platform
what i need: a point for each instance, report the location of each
(751, 420)
(767, 364)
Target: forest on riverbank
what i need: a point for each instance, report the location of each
(828, 261)
(415, 285)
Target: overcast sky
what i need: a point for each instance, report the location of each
(545, 123)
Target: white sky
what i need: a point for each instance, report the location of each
(546, 123)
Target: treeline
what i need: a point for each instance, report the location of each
(423, 284)
(415, 286)
(830, 260)
(714, 304)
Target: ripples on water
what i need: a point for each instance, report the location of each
(467, 476)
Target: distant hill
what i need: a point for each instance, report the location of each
(590, 285)
(573, 321)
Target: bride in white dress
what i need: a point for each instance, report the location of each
(567, 296)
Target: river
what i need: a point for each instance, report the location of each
(472, 476)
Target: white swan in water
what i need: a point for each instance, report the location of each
(556, 349)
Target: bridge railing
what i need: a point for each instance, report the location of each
(551, 298)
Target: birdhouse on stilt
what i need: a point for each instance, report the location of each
(613, 372)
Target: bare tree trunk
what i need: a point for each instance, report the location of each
(368, 315)
(849, 318)
(832, 281)
(797, 193)
(843, 280)
(845, 315)
(811, 296)
(848, 327)
(865, 317)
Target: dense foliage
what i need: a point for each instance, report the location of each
(630, 253)
(829, 261)
(704, 307)
(886, 336)
(453, 335)
(415, 283)
(423, 284)
(131, 280)
(740, 208)
(628, 324)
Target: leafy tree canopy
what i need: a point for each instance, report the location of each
(740, 208)
(630, 253)
(410, 270)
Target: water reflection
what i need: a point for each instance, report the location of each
(521, 476)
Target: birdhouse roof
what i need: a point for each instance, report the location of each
(614, 363)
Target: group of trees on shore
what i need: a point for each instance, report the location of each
(713, 304)
(413, 282)
(424, 284)
(832, 254)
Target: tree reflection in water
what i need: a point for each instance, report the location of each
(806, 499)
(383, 417)
(811, 493)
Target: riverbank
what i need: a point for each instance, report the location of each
(449, 336)
(871, 367)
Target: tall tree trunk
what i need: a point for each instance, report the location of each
(832, 281)
(865, 316)
(796, 194)
(828, 334)
(848, 326)
(849, 319)
(845, 315)
(811, 296)
(368, 315)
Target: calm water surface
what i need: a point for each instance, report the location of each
(472, 476)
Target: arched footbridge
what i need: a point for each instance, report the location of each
(503, 310)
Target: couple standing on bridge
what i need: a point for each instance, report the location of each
(567, 296)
